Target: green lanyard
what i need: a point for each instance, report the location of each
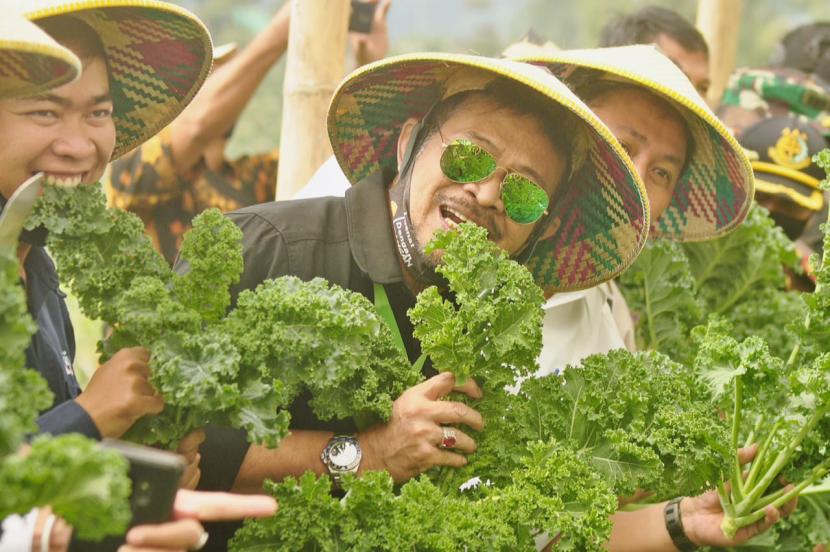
(384, 309)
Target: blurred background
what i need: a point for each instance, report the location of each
(480, 27)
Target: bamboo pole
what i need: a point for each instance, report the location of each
(314, 68)
(719, 21)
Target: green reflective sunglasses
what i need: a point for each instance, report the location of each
(464, 162)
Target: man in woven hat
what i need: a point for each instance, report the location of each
(70, 133)
(397, 130)
(671, 135)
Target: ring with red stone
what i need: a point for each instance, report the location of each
(447, 438)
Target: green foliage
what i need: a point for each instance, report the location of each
(315, 336)
(243, 369)
(659, 288)
(552, 459)
(84, 484)
(554, 492)
(650, 432)
(672, 288)
(17, 417)
(492, 328)
(781, 405)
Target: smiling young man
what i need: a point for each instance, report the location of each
(430, 140)
(700, 187)
(70, 133)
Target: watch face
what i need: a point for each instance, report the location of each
(343, 453)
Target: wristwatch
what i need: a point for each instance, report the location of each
(674, 525)
(341, 456)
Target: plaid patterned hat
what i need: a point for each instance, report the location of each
(601, 221)
(158, 54)
(778, 92)
(30, 61)
(714, 193)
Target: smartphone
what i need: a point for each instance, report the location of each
(155, 475)
(362, 15)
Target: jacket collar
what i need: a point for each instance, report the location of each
(370, 230)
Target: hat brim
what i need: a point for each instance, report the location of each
(714, 193)
(31, 62)
(158, 55)
(798, 187)
(602, 220)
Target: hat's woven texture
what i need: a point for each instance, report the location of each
(601, 220)
(158, 56)
(714, 193)
(30, 60)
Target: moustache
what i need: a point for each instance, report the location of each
(477, 214)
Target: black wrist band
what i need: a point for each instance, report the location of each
(674, 525)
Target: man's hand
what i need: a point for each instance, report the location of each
(702, 515)
(407, 445)
(372, 46)
(120, 393)
(189, 449)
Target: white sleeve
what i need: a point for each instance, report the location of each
(18, 532)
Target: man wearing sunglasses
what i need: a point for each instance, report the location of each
(429, 141)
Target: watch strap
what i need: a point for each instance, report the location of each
(674, 526)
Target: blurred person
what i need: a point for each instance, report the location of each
(184, 170)
(805, 48)
(755, 95)
(787, 182)
(678, 39)
(752, 95)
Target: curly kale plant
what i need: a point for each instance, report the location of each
(241, 369)
(86, 486)
(674, 287)
(552, 458)
(782, 405)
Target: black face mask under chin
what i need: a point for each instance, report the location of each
(411, 252)
(36, 237)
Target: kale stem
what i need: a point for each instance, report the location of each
(781, 460)
(725, 501)
(652, 334)
(755, 429)
(761, 457)
(737, 479)
(757, 515)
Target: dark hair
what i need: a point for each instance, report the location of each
(592, 91)
(559, 125)
(643, 26)
(76, 35)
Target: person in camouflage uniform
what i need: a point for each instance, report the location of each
(756, 94)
